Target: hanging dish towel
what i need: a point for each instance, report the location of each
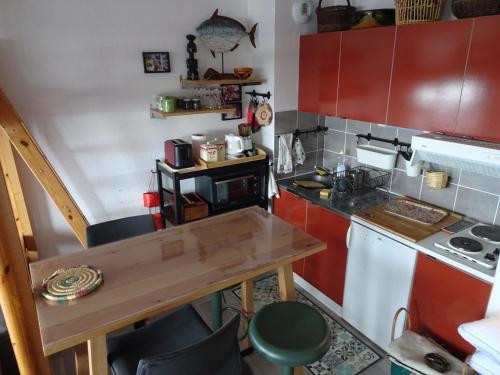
(298, 153)
(272, 188)
(285, 154)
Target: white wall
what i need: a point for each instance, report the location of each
(73, 69)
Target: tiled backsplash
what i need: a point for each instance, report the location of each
(474, 195)
(313, 144)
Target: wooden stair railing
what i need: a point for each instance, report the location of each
(16, 297)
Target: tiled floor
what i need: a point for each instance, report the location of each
(256, 365)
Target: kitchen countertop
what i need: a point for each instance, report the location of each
(343, 206)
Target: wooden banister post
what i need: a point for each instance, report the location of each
(35, 159)
(16, 297)
(16, 196)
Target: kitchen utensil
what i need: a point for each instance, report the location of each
(264, 114)
(196, 103)
(415, 211)
(376, 156)
(411, 230)
(325, 193)
(193, 207)
(187, 104)
(221, 149)
(436, 180)
(245, 130)
(357, 177)
(323, 179)
(321, 171)
(169, 104)
(234, 144)
(178, 153)
(437, 362)
(373, 18)
(309, 184)
(413, 170)
(208, 152)
(243, 72)
(458, 226)
(197, 140)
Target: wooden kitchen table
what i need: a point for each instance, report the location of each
(150, 274)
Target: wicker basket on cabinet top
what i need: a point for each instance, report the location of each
(334, 18)
(475, 8)
(418, 11)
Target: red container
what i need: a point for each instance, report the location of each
(151, 199)
(160, 224)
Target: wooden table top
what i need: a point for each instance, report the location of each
(149, 274)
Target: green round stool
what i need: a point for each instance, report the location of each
(289, 334)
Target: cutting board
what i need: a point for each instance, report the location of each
(309, 184)
(402, 227)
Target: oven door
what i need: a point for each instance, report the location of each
(235, 190)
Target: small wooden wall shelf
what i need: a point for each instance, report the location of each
(156, 113)
(217, 82)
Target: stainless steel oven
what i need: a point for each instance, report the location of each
(232, 189)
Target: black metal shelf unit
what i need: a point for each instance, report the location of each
(173, 212)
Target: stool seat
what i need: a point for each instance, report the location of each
(290, 334)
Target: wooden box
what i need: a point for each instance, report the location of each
(193, 207)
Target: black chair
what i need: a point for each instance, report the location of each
(178, 344)
(120, 229)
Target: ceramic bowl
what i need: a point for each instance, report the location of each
(243, 72)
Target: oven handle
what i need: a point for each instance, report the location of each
(233, 179)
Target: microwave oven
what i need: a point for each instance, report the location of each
(235, 189)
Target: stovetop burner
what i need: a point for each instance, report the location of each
(466, 244)
(486, 232)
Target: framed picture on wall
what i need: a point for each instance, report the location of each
(231, 93)
(156, 62)
(236, 115)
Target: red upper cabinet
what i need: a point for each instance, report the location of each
(428, 71)
(318, 73)
(365, 73)
(292, 209)
(442, 299)
(479, 113)
(326, 269)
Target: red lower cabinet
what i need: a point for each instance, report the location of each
(442, 299)
(292, 209)
(326, 269)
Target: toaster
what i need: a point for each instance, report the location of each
(178, 153)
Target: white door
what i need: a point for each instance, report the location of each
(379, 278)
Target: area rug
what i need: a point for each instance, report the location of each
(348, 355)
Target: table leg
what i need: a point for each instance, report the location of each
(285, 279)
(247, 307)
(98, 353)
(216, 302)
(287, 293)
(82, 359)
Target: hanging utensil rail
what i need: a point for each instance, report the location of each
(254, 94)
(395, 142)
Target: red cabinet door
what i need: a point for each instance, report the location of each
(427, 77)
(292, 209)
(442, 299)
(478, 115)
(326, 269)
(318, 73)
(365, 73)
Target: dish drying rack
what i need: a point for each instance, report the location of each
(370, 179)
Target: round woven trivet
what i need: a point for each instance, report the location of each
(71, 283)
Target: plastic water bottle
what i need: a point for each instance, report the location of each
(341, 164)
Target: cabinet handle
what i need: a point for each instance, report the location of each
(348, 237)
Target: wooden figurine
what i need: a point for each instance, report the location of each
(192, 63)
